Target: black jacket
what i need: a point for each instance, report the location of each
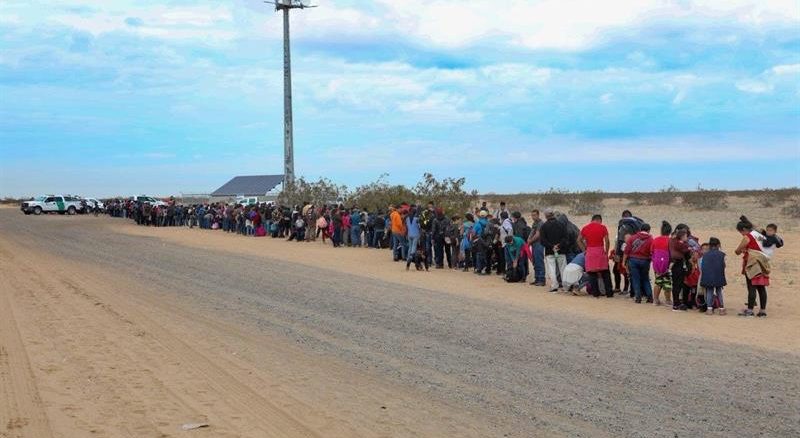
(553, 232)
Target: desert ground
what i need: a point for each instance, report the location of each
(112, 330)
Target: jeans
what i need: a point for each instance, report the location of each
(428, 245)
(710, 291)
(377, 238)
(555, 268)
(413, 242)
(355, 235)
(538, 263)
(401, 247)
(640, 278)
(337, 236)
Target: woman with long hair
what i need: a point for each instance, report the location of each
(755, 267)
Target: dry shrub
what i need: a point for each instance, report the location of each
(554, 196)
(768, 198)
(706, 199)
(792, 210)
(665, 196)
(635, 199)
(586, 203)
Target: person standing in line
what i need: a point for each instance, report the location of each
(553, 235)
(595, 242)
(637, 256)
(534, 239)
(712, 276)
(399, 248)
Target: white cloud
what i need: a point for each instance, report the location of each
(786, 69)
(753, 86)
(565, 24)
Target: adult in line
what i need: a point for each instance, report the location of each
(554, 239)
(440, 230)
(534, 239)
(637, 255)
(595, 242)
(755, 267)
(414, 232)
(399, 248)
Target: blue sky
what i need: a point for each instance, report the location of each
(162, 97)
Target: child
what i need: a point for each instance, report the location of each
(771, 240)
(712, 276)
(418, 259)
(623, 269)
(619, 272)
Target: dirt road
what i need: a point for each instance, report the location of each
(105, 331)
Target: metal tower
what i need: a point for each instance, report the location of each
(288, 135)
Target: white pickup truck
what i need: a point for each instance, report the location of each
(52, 203)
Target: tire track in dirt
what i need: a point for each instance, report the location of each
(22, 413)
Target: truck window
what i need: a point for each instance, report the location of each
(50, 199)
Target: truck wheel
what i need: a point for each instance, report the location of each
(37, 210)
(71, 210)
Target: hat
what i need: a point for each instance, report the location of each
(483, 213)
(548, 212)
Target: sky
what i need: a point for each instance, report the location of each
(123, 97)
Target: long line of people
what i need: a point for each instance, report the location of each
(553, 250)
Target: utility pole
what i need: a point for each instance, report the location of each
(288, 130)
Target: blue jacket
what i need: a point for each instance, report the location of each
(480, 225)
(712, 269)
(412, 225)
(355, 219)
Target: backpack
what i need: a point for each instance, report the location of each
(513, 275)
(526, 232)
(661, 261)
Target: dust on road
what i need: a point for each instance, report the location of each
(125, 335)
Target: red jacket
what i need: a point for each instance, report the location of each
(639, 246)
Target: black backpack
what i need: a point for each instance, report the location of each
(513, 275)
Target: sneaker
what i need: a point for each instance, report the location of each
(683, 307)
(554, 290)
(649, 301)
(762, 314)
(747, 312)
(710, 312)
(657, 303)
(675, 309)
(722, 312)
(638, 301)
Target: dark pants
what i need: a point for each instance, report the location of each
(680, 292)
(499, 258)
(751, 295)
(442, 250)
(594, 280)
